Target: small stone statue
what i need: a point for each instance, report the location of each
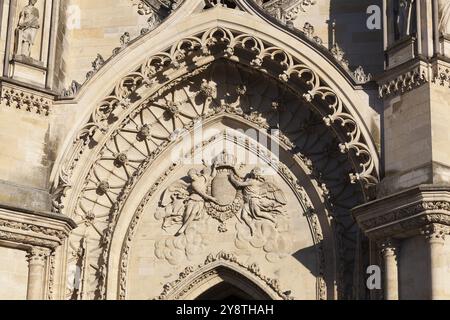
(403, 18)
(444, 16)
(27, 28)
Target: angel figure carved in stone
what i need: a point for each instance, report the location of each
(198, 195)
(262, 199)
(184, 203)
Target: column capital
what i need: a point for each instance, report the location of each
(435, 232)
(388, 247)
(38, 255)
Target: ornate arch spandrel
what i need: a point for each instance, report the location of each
(153, 71)
(164, 71)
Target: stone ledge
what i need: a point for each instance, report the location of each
(403, 214)
(31, 228)
(433, 173)
(28, 198)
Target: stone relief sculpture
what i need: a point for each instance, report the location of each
(256, 203)
(27, 28)
(262, 199)
(444, 16)
(184, 203)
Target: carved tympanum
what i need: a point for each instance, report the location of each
(221, 192)
(248, 199)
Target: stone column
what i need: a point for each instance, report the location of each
(389, 250)
(37, 258)
(435, 237)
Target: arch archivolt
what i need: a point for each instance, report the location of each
(225, 140)
(151, 108)
(223, 266)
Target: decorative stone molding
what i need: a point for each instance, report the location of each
(405, 215)
(404, 82)
(175, 290)
(29, 240)
(441, 73)
(60, 234)
(174, 56)
(389, 247)
(96, 65)
(16, 98)
(161, 73)
(285, 10)
(51, 276)
(22, 228)
(38, 255)
(285, 173)
(435, 232)
(411, 211)
(436, 72)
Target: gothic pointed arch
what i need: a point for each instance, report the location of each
(224, 75)
(217, 271)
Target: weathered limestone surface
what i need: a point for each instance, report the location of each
(13, 274)
(177, 149)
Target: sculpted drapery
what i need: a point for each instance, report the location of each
(444, 16)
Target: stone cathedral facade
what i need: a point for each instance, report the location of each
(213, 149)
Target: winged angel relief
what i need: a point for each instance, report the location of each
(254, 203)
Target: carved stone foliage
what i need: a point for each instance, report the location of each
(404, 82)
(16, 98)
(435, 232)
(193, 275)
(37, 255)
(161, 7)
(285, 10)
(158, 121)
(436, 72)
(407, 219)
(31, 234)
(441, 72)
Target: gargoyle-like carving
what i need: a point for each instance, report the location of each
(96, 65)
